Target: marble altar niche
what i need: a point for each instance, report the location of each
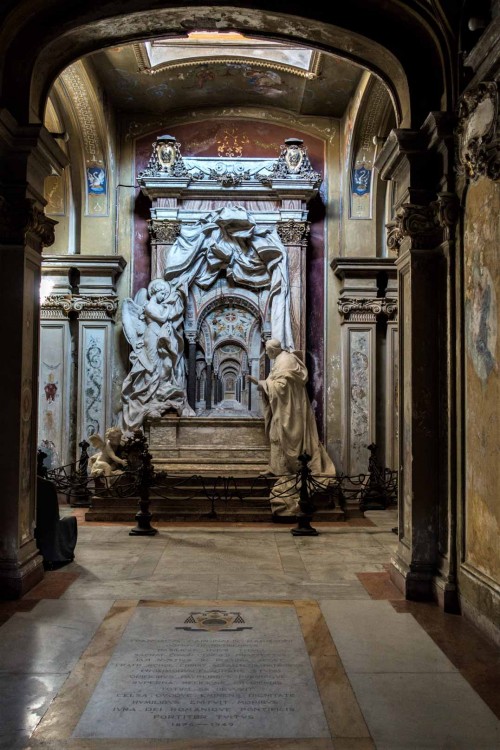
(228, 243)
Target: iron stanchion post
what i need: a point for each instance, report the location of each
(143, 517)
(80, 495)
(305, 514)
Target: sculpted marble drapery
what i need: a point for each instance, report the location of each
(153, 325)
(251, 255)
(290, 426)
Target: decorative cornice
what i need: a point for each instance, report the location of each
(478, 132)
(164, 231)
(358, 310)
(293, 232)
(91, 308)
(19, 219)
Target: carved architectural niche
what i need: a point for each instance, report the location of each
(367, 310)
(293, 232)
(15, 224)
(164, 231)
(478, 132)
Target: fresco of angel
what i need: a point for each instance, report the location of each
(153, 325)
(105, 463)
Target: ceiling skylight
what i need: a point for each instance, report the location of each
(202, 47)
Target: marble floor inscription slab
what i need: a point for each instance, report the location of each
(234, 672)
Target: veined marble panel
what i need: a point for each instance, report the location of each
(94, 378)
(359, 395)
(53, 391)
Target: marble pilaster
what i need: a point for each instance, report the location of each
(27, 155)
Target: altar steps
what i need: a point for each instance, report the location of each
(242, 500)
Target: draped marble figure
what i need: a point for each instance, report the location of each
(153, 325)
(252, 255)
(290, 426)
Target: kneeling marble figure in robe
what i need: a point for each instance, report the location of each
(290, 427)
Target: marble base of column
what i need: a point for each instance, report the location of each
(17, 577)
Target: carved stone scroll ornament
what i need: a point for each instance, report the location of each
(166, 159)
(16, 221)
(293, 232)
(478, 132)
(164, 231)
(370, 310)
(96, 308)
(419, 223)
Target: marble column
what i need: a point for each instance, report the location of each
(191, 377)
(208, 387)
(27, 155)
(293, 234)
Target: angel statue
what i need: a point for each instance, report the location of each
(106, 463)
(153, 325)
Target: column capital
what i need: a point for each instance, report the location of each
(293, 232)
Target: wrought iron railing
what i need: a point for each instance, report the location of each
(375, 490)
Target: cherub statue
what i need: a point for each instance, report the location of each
(105, 463)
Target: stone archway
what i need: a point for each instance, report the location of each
(419, 229)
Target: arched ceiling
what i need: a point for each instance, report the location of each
(405, 42)
(224, 70)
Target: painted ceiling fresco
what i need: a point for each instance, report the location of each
(323, 87)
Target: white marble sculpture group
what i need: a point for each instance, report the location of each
(226, 240)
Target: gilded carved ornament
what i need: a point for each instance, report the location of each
(294, 161)
(478, 132)
(164, 231)
(16, 221)
(292, 232)
(166, 159)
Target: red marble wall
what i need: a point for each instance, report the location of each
(249, 138)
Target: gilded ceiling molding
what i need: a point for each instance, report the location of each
(77, 89)
(478, 132)
(358, 310)
(242, 61)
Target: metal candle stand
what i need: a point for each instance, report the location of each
(136, 450)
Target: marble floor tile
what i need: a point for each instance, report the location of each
(175, 586)
(24, 699)
(279, 588)
(425, 712)
(372, 637)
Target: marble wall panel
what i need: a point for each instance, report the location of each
(53, 391)
(94, 378)
(359, 395)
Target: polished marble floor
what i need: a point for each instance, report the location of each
(387, 674)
